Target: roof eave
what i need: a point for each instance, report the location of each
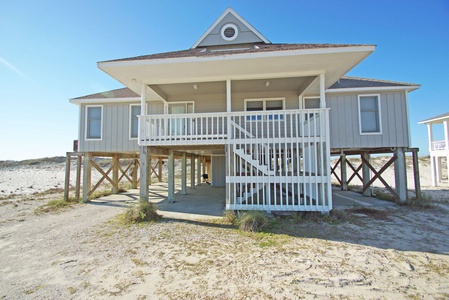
(227, 56)
(367, 89)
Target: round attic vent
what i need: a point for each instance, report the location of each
(229, 32)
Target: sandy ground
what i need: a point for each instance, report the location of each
(81, 253)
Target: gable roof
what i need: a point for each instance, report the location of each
(114, 94)
(229, 16)
(437, 119)
(347, 82)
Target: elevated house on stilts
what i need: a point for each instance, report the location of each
(261, 119)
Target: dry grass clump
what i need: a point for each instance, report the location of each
(55, 205)
(143, 211)
(334, 217)
(253, 221)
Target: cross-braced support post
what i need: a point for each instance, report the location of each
(366, 174)
(400, 175)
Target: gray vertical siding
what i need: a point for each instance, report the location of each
(344, 122)
(218, 171)
(115, 131)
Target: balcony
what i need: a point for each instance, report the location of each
(220, 128)
(438, 146)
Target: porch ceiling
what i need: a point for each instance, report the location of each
(333, 62)
(237, 86)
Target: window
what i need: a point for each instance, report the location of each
(229, 32)
(94, 116)
(369, 114)
(134, 121)
(264, 105)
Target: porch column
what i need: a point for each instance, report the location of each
(192, 171)
(87, 172)
(171, 177)
(184, 173)
(159, 172)
(366, 174)
(343, 173)
(322, 91)
(198, 169)
(432, 158)
(144, 173)
(400, 175)
(446, 140)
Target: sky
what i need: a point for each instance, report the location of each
(49, 51)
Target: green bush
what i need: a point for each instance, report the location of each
(143, 211)
(253, 221)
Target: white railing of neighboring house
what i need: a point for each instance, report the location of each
(438, 145)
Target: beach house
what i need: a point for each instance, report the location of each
(261, 119)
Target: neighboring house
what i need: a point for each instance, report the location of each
(267, 116)
(438, 148)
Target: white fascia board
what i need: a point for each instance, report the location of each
(433, 121)
(225, 57)
(104, 100)
(373, 89)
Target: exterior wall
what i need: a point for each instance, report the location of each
(344, 121)
(115, 131)
(291, 99)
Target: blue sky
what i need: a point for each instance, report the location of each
(49, 51)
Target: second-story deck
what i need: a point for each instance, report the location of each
(221, 128)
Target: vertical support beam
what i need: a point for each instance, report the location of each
(438, 169)
(79, 161)
(87, 172)
(400, 175)
(432, 158)
(446, 134)
(344, 173)
(416, 175)
(228, 96)
(184, 173)
(134, 174)
(228, 173)
(366, 175)
(198, 169)
(67, 177)
(144, 172)
(204, 164)
(171, 176)
(159, 172)
(192, 171)
(115, 162)
(322, 91)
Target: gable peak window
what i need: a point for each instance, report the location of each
(229, 32)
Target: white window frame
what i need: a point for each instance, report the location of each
(360, 114)
(131, 121)
(86, 121)
(264, 106)
(167, 104)
(264, 100)
(303, 106)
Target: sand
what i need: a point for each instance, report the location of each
(79, 253)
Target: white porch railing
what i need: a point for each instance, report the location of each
(438, 145)
(212, 128)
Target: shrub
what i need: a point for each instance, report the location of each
(230, 216)
(253, 221)
(55, 205)
(143, 211)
